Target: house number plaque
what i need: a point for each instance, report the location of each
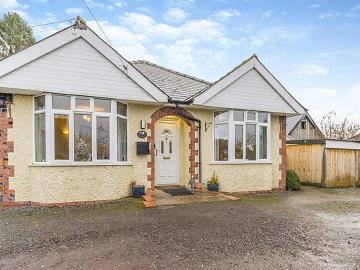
(142, 134)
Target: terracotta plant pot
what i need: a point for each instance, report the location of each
(198, 185)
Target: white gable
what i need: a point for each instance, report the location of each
(75, 68)
(250, 92)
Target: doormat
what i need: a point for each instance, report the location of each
(178, 192)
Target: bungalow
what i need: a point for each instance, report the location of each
(79, 122)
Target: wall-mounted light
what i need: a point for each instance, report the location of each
(142, 124)
(66, 132)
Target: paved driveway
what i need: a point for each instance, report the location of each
(310, 229)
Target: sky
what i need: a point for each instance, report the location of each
(311, 46)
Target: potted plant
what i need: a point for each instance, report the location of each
(137, 190)
(213, 184)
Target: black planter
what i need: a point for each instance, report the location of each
(213, 187)
(138, 192)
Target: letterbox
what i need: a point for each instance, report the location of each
(142, 148)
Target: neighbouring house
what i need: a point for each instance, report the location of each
(79, 122)
(302, 127)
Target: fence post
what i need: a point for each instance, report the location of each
(356, 183)
(323, 176)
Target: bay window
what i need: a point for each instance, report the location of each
(241, 136)
(79, 130)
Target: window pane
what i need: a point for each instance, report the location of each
(61, 137)
(221, 142)
(122, 139)
(82, 103)
(262, 117)
(251, 116)
(251, 142)
(40, 138)
(103, 138)
(102, 105)
(121, 109)
(221, 116)
(161, 147)
(170, 147)
(82, 137)
(61, 102)
(238, 115)
(263, 143)
(39, 103)
(239, 141)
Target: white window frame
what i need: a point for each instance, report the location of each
(231, 141)
(50, 139)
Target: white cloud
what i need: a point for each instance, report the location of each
(49, 14)
(355, 52)
(322, 92)
(310, 69)
(144, 9)
(179, 54)
(328, 54)
(283, 13)
(179, 3)
(121, 4)
(351, 15)
(314, 6)
(356, 8)
(224, 15)
(110, 7)
(267, 14)
(42, 1)
(331, 14)
(204, 30)
(227, 42)
(128, 44)
(147, 26)
(273, 34)
(175, 15)
(9, 5)
(91, 3)
(74, 11)
(355, 88)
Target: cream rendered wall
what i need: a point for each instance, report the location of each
(55, 184)
(240, 177)
(72, 183)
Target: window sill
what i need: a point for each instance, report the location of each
(239, 163)
(77, 165)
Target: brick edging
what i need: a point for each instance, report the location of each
(6, 147)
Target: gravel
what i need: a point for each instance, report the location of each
(256, 232)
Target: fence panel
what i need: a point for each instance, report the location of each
(306, 161)
(340, 168)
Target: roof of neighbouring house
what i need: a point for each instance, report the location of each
(291, 122)
(176, 85)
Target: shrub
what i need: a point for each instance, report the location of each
(214, 179)
(292, 180)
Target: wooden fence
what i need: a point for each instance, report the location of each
(317, 165)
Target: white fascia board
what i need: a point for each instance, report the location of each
(289, 99)
(114, 57)
(36, 51)
(334, 144)
(223, 83)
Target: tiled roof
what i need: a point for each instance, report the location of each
(176, 85)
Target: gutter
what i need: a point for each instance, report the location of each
(179, 113)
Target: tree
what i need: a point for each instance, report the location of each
(333, 128)
(15, 35)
